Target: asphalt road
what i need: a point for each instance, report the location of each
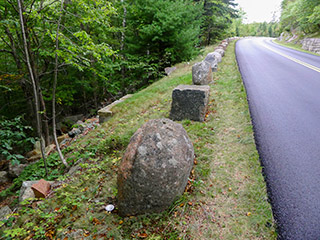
(283, 88)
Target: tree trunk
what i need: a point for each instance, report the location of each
(123, 35)
(54, 93)
(25, 86)
(34, 86)
(124, 21)
(45, 119)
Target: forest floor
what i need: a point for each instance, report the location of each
(225, 199)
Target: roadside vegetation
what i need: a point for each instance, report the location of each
(225, 198)
(61, 58)
(302, 16)
(295, 46)
(299, 19)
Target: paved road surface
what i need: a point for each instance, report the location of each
(283, 88)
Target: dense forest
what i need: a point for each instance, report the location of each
(64, 57)
(300, 15)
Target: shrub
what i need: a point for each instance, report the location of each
(14, 139)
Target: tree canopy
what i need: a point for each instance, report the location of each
(101, 50)
(303, 15)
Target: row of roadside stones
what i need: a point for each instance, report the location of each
(155, 168)
(188, 101)
(191, 101)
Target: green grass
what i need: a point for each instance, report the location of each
(226, 198)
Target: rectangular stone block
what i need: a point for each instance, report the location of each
(190, 102)
(105, 113)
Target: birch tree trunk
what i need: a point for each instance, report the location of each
(34, 86)
(54, 92)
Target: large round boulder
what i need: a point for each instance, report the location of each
(155, 168)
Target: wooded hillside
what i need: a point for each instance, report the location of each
(62, 57)
(301, 15)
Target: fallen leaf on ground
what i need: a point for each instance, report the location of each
(142, 235)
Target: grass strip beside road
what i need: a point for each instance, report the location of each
(233, 198)
(227, 196)
(293, 46)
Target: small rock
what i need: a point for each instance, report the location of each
(220, 51)
(217, 56)
(3, 177)
(26, 191)
(37, 145)
(169, 70)
(201, 73)
(80, 125)
(79, 122)
(64, 142)
(16, 169)
(62, 137)
(5, 212)
(213, 60)
(34, 158)
(49, 149)
(33, 153)
(74, 132)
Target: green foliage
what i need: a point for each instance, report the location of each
(217, 18)
(84, 51)
(264, 29)
(14, 140)
(99, 58)
(161, 33)
(78, 203)
(115, 142)
(300, 15)
(36, 171)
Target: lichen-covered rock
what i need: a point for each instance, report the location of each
(220, 51)
(190, 102)
(213, 60)
(5, 212)
(154, 170)
(217, 56)
(201, 73)
(26, 191)
(16, 169)
(3, 177)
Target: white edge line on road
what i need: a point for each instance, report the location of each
(294, 59)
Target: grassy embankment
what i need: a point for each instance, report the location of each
(298, 46)
(226, 200)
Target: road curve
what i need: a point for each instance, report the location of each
(283, 90)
